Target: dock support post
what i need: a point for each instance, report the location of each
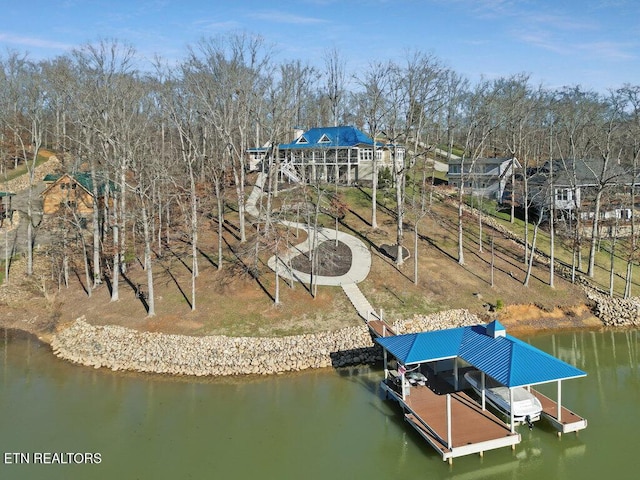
(386, 366)
(559, 401)
(449, 441)
(455, 373)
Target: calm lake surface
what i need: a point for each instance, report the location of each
(317, 425)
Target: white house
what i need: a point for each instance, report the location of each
(341, 155)
(485, 177)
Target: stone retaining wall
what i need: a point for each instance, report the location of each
(120, 348)
(615, 312)
(436, 321)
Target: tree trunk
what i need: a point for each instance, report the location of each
(415, 253)
(595, 233)
(277, 273)
(612, 258)
(400, 213)
(151, 312)
(533, 251)
(95, 224)
(115, 275)
(374, 189)
(492, 262)
(220, 202)
(460, 227)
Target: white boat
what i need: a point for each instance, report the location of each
(526, 407)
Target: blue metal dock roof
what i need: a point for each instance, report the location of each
(507, 359)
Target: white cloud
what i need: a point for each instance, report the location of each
(34, 42)
(282, 17)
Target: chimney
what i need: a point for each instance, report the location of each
(297, 133)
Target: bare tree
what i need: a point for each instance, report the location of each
(632, 144)
(374, 105)
(335, 83)
(23, 103)
(605, 173)
(225, 75)
(106, 111)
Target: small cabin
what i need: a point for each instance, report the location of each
(70, 191)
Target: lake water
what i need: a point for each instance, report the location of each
(316, 425)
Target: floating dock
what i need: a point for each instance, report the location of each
(563, 419)
(452, 423)
(425, 376)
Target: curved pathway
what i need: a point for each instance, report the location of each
(360, 256)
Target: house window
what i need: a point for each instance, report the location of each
(302, 140)
(454, 168)
(324, 139)
(366, 154)
(563, 195)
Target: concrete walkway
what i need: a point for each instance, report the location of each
(250, 205)
(360, 256)
(359, 301)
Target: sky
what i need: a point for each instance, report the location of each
(591, 43)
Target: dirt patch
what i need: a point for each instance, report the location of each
(529, 319)
(334, 260)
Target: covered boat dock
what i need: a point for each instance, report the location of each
(424, 373)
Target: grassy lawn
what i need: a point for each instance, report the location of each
(22, 168)
(564, 254)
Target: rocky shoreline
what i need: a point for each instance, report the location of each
(119, 348)
(615, 312)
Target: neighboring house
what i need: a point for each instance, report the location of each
(257, 155)
(67, 191)
(483, 177)
(575, 183)
(341, 155)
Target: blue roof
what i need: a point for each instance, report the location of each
(329, 137)
(507, 359)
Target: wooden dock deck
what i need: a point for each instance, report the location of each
(451, 421)
(568, 422)
(380, 328)
(470, 430)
